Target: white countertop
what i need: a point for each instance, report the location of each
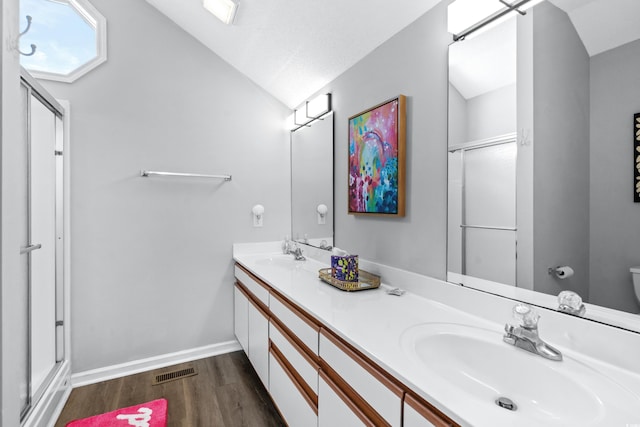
(374, 322)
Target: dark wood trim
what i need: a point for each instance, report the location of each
(313, 361)
(253, 299)
(347, 400)
(263, 309)
(297, 311)
(352, 396)
(289, 334)
(364, 362)
(428, 411)
(254, 277)
(294, 376)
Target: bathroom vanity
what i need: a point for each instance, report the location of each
(432, 357)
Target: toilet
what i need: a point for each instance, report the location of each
(635, 273)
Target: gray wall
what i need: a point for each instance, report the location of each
(413, 63)
(615, 219)
(492, 114)
(152, 270)
(457, 126)
(561, 155)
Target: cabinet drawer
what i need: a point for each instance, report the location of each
(297, 358)
(418, 414)
(292, 402)
(365, 379)
(302, 328)
(254, 285)
(335, 408)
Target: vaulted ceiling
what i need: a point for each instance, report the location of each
(292, 48)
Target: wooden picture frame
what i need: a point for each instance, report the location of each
(377, 144)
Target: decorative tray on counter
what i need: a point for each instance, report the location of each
(366, 280)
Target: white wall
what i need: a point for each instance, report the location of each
(412, 63)
(152, 270)
(10, 301)
(615, 219)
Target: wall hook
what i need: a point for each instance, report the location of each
(33, 46)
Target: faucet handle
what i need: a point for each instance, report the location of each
(570, 302)
(526, 315)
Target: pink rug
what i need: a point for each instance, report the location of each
(150, 414)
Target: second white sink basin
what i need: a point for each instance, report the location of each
(476, 365)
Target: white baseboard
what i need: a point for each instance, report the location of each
(134, 367)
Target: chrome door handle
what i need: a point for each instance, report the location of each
(27, 249)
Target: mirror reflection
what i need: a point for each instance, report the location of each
(312, 183)
(541, 154)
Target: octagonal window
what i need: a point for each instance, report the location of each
(69, 35)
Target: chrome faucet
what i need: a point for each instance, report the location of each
(526, 336)
(291, 247)
(297, 253)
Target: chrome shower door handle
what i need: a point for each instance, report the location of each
(30, 248)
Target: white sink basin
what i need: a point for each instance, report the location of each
(287, 262)
(476, 365)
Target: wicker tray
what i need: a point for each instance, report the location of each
(366, 281)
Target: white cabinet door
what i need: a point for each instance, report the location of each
(335, 408)
(241, 318)
(417, 414)
(259, 342)
(289, 397)
(413, 419)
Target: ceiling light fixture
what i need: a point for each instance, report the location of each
(224, 10)
(468, 16)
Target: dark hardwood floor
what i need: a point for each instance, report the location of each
(225, 392)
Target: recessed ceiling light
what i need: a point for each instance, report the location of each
(224, 10)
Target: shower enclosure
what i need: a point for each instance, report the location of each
(41, 220)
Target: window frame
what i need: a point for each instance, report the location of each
(95, 19)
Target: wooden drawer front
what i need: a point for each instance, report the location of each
(256, 287)
(365, 379)
(299, 360)
(335, 409)
(418, 414)
(293, 404)
(301, 327)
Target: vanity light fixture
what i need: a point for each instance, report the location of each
(258, 211)
(468, 16)
(322, 210)
(224, 10)
(309, 112)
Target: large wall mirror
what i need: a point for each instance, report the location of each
(312, 183)
(540, 148)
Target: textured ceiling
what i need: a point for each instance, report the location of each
(292, 48)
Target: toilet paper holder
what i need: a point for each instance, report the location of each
(561, 271)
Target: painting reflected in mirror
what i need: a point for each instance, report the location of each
(540, 136)
(312, 183)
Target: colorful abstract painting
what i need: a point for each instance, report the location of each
(376, 159)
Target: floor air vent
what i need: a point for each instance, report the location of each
(174, 375)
